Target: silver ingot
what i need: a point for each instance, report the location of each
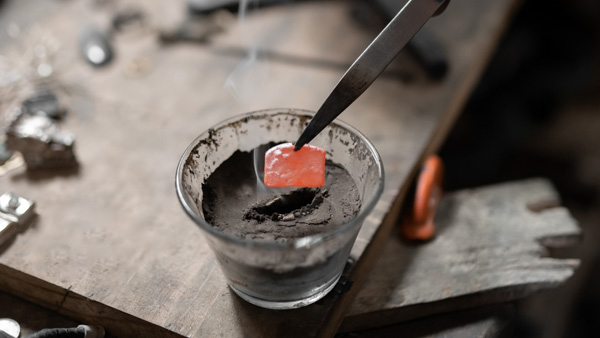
(41, 142)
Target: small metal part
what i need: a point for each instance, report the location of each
(95, 47)
(19, 207)
(43, 102)
(10, 327)
(41, 142)
(15, 213)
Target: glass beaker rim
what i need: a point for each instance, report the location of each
(296, 243)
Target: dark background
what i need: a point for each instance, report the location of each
(536, 113)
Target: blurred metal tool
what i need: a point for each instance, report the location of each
(370, 64)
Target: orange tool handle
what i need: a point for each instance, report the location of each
(419, 224)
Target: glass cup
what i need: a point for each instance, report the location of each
(300, 271)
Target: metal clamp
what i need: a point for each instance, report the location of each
(15, 213)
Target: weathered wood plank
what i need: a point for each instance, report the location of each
(112, 246)
(491, 247)
(491, 322)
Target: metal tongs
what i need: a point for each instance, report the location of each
(371, 63)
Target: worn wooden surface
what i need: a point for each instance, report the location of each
(492, 246)
(112, 246)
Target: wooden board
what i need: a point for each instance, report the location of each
(492, 246)
(489, 322)
(112, 246)
(492, 321)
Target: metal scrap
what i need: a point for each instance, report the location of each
(41, 142)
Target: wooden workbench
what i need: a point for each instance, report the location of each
(112, 246)
(490, 249)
